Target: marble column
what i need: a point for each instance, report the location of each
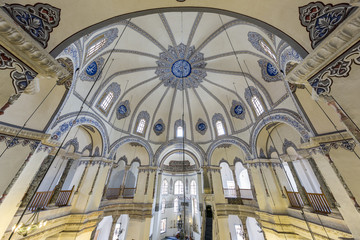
(91, 186)
(237, 189)
(244, 227)
(346, 205)
(322, 183)
(40, 174)
(217, 185)
(11, 203)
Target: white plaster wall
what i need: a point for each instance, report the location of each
(104, 228)
(254, 231)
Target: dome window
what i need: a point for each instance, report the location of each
(220, 128)
(257, 106)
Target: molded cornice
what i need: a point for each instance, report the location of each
(23, 46)
(343, 37)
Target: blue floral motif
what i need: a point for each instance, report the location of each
(271, 70)
(159, 127)
(91, 70)
(122, 109)
(37, 20)
(238, 109)
(181, 68)
(201, 126)
(320, 20)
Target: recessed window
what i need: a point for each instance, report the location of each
(141, 126)
(179, 187)
(163, 225)
(176, 205)
(107, 100)
(163, 204)
(95, 47)
(193, 187)
(220, 128)
(179, 132)
(165, 187)
(257, 105)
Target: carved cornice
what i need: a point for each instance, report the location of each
(147, 169)
(329, 138)
(11, 131)
(343, 37)
(27, 49)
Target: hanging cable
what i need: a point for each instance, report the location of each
(68, 132)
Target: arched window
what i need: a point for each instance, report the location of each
(108, 98)
(176, 205)
(227, 181)
(193, 187)
(106, 102)
(257, 105)
(179, 128)
(179, 187)
(255, 100)
(220, 128)
(163, 204)
(268, 50)
(141, 123)
(165, 187)
(95, 46)
(141, 126)
(179, 132)
(219, 124)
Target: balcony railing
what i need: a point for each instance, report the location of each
(129, 192)
(115, 193)
(246, 193)
(40, 200)
(64, 197)
(317, 201)
(230, 193)
(295, 199)
(112, 193)
(235, 193)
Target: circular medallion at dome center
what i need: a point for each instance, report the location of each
(181, 68)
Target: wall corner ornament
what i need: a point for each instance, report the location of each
(320, 19)
(38, 20)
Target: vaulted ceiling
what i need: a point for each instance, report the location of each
(170, 67)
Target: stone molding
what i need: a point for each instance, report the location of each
(343, 37)
(329, 138)
(22, 45)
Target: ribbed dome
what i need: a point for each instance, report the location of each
(185, 69)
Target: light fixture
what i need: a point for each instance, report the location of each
(31, 225)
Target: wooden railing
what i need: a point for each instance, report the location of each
(129, 192)
(64, 197)
(113, 193)
(295, 199)
(40, 200)
(319, 203)
(230, 193)
(246, 193)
